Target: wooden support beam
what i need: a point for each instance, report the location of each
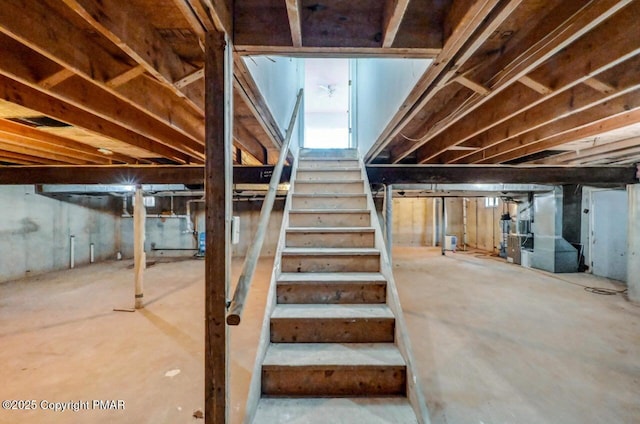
(40, 146)
(378, 174)
(394, 11)
(592, 128)
(249, 92)
(139, 256)
(472, 85)
(38, 151)
(121, 24)
(28, 97)
(564, 71)
(23, 159)
(191, 17)
(219, 13)
(218, 179)
(535, 85)
(191, 78)
(337, 52)
(608, 157)
(248, 143)
(10, 127)
(126, 76)
(468, 30)
(56, 78)
(293, 12)
(129, 174)
(42, 28)
(567, 103)
(94, 100)
(589, 17)
(598, 85)
(584, 154)
(499, 174)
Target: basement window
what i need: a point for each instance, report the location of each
(149, 201)
(490, 202)
(40, 121)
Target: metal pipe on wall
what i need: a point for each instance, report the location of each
(91, 253)
(72, 251)
(443, 226)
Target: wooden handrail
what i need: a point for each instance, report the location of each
(251, 259)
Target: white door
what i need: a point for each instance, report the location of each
(609, 234)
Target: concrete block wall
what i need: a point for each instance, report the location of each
(35, 230)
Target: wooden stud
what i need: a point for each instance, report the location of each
(336, 52)
(535, 85)
(219, 120)
(189, 79)
(40, 146)
(571, 30)
(30, 98)
(598, 85)
(569, 67)
(452, 57)
(42, 29)
(56, 78)
(139, 256)
(394, 11)
(119, 22)
(23, 159)
(511, 151)
(293, 11)
(126, 76)
(564, 104)
(583, 154)
(472, 85)
(9, 127)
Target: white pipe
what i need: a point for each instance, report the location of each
(91, 253)
(190, 226)
(72, 251)
(464, 223)
(125, 212)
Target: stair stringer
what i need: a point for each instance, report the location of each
(415, 393)
(255, 386)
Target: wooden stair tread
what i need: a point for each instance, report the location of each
(330, 230)
(338, 311)
(331, 277)
(332, 354)
(342, 181)
(346, 168)
(340, 195)
(328, 211)
(333, 251)
(369, 410)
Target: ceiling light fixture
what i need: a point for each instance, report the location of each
(105, 151)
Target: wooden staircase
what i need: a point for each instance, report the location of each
(330, 351)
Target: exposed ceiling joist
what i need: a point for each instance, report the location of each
(394, 11)
(293, 12)
(120, 23)
(43, 28)
(579, 24)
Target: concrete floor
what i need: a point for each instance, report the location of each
(496, 343)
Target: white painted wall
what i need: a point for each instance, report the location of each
(279, 79)
(381, 86)
(35, 231)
